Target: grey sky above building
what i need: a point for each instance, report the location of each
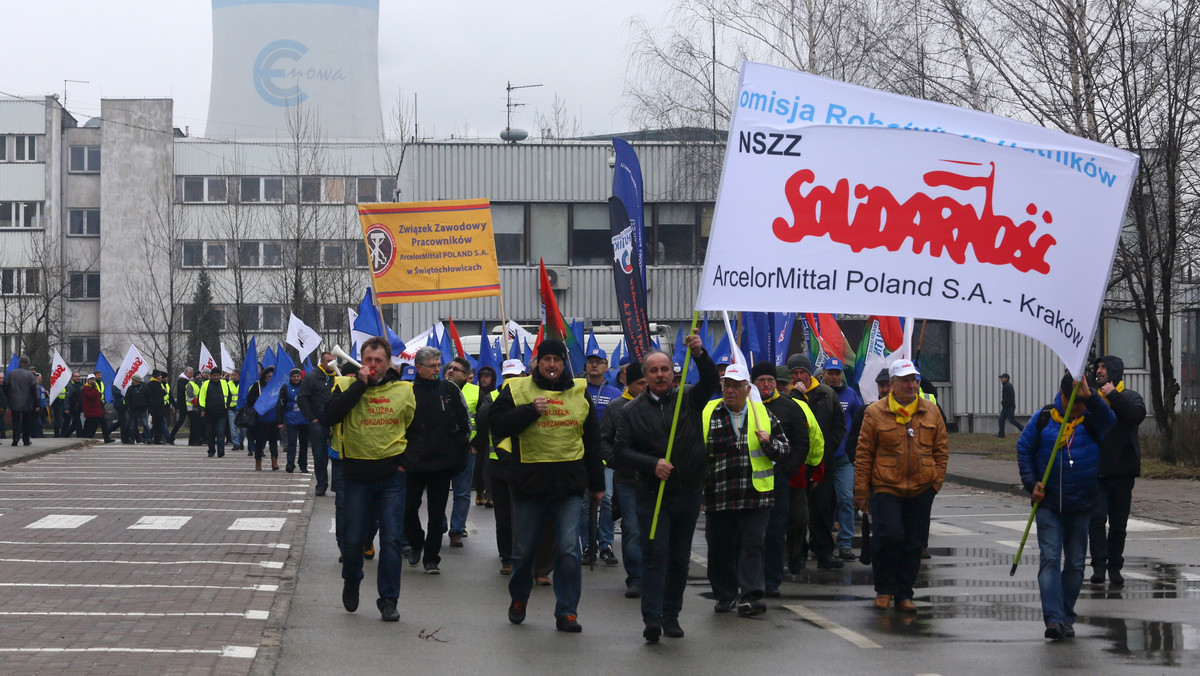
(456, 56)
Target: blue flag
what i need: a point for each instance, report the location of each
(107, 375)
(496, 353)
(397, 344)
(575, 350)
(721, 355)
(486, 358)
(368, 317)
(592, 345)
(782, 324)
(13, 363)
(249, 372)
(627, 187)
(307, 365)
(269, 358)
(269, 397)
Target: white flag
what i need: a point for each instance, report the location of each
(206, 359)
(132, 365)
(301, 337)
(227, 364)
(60, 375)
(428, 337)
(518, 335)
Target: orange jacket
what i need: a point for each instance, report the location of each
(889, 459)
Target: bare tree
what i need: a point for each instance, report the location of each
(559, 124)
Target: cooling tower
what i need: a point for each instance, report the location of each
(270, 56)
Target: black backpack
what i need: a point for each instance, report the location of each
(1043, 419)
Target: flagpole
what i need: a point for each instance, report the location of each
(687, 357)
(503, 327)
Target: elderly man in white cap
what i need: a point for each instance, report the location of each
(899, 467)
(744, 440)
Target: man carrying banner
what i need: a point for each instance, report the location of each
(825, 406)
(135, 403)
(93, 411)
(555, 458)
(641, 445)
(899, 467)
(373, 411)
(1120, 464)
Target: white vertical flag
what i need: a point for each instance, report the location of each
(206, 359)
(301, 337)
(132, 365)
(60, 375)
(227, 364)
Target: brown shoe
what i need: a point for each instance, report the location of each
(274, 464)
(882, 601)
(258, 464)
(906, 606)
(542, 581)
(506, 569)
(456, 540)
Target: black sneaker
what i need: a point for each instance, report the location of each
(414, 557)
(350, 596)
(829, 563)
(432, 569)
(671, 628)
(633, 591)
(588, 557)
(652, 631)
(1115, 579)
(1054, 631)
(751, 608)
(1097, 576)
(608, 557)
(569, 624)
(1069, 630)
(771, 592)
(846, 554)
(387, 609)
(725, 606)
(516, 612)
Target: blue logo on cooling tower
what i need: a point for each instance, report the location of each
(266, 74)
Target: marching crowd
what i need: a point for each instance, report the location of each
(780, 460)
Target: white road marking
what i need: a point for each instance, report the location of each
(1136, 576)
(837, 629)
(268, 545)
(260, 564)
(274, 525)
(241, 652)
(160, 523)
(333, 524)
(80, 585)
(181, 509)
(1134, 526)
(127, 499)
(944, 529)
(62, 521)
(699, 560)
(249, 614)
(141, 488)
(1014, 543)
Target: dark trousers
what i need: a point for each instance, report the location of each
(214, 431)
(1113, 499)
(821, 501)
(318, 442)
(56, 416)
(775, 543)
(72, 424)
(297, 435)
(339, 502)
(502, 509)
(1006, 416)
(735, 552)
(3, 425)
(900, 532)
(666, 558)
(139, 431)
(158, 433)
(22, 426)
(437, 486)
(797, 529)
(90, 425)
(180, 416)
(265, 433)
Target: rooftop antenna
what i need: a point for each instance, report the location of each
(64, 103)
(509, 134)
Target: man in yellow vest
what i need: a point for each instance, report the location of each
(555, 458)
(374, 410)
(744, 440)
(458, 371)
(214, 402)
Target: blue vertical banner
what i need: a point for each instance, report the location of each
(107, 375)
(269, 396)
(627, 230)
(249, 373)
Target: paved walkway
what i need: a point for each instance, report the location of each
(11, 455)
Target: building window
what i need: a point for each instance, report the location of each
(84, 349)
(387, 189)
(85, 285)
(21, 215)
(3, 148)
(189, 318)
(203, 254)
(367, 189)
(26, 148)
(84, 222)
(248, 317)
(272, 318)
(85, 159)
(676, 234)
(508, 225)
(19, 281)
(548, 234)
(1123, 337)
(335, 318)
(262, 189)
(332, 255)
(202, 188)
(322, 190)
(360, 252)
(591, 242)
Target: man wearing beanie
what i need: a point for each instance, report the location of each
(1120, 464)
(624, 480)
(555, 457)
(827, 409)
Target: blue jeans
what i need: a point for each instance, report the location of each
(318, 440)
(607, 528)
(365, 501)
(631, 534)
(297, 435)
(529, 513)
(235, 433)
(843, 489)
(461, 487)
(1062, 545)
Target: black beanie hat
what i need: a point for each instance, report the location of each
(633, 372)
(553, 347)
(762, 368)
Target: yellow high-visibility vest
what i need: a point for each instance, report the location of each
(557, 435)
(761, 468)
(376, 427)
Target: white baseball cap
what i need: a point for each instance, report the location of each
(512, 367)
(736, 372)
(902, 367)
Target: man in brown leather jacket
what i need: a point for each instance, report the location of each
(899, 466)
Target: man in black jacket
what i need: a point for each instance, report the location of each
(555, 458)
(625, 481)
(23, 397)
(1120, 464)
(438, 442)
(643, 432)
(827, 409)
(313, 395)
(1008, 405)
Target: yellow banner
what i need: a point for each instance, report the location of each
(422, 251)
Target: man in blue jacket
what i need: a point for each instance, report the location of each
(292, 419)
(1067, 498)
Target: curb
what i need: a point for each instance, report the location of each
(270, 647)
(86, 443)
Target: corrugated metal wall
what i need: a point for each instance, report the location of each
(203, 157)
(23, 116)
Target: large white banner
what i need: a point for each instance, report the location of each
(60, 375)
(838, 198)
(132, 365)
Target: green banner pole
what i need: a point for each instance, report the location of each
(662, 486)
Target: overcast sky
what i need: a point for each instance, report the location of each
(456, 55)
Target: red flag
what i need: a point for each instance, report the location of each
(891, 330)
(541, 334)
(458, 346)
(551, 317)
(830, 336)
